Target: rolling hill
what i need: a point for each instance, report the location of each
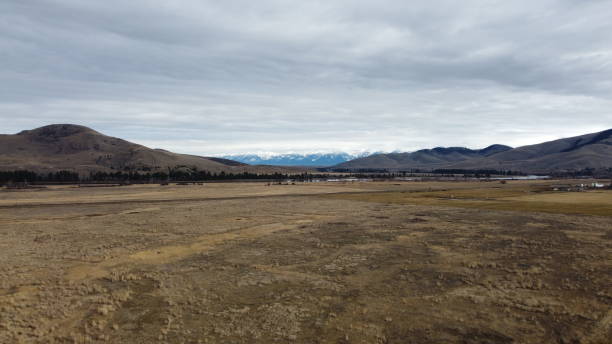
(423, 159)
(81, 149)
(568, 154)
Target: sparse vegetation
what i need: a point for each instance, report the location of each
(322, 262)
(526, 198)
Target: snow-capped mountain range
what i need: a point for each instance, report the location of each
(313, 159)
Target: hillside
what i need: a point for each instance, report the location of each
(568, 154)
(423, 159)
(573, 153)
(81, 149)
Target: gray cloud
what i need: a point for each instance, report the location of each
(211, 77)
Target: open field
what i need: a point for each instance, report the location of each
(413, 262)
(524, 197)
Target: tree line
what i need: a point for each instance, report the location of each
(25, 176)
(182, 175)
(174, 175)
(478, 173)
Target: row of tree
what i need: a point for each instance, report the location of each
(417, 171)
(184, 175)
(172, 175)
(187, 175)
(589, 172)
(480, 173)
(24, 176)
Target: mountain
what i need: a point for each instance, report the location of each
(312, 160)
(422, 159)
(568, 154)
(81, 149)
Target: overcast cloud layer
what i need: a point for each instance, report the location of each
(226, 77)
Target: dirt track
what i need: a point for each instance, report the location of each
(258, 264)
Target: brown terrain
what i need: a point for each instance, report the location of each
(84, 150)
(567, 154)
(410, 262)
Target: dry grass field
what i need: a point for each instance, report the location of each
(410, 262)
(525, 197)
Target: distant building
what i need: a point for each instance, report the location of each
(577, 187)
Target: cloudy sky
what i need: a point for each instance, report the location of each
(218, 77)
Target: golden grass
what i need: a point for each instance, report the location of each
(603, 196)
(171, 253)
(479, 193)
(511, 199)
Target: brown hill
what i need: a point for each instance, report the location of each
(439, 157)
(78, 148)
(568, 154)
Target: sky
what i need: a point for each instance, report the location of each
(234, 77)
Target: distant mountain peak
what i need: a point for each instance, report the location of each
(494, 149)
(296, 159)
(447, 150)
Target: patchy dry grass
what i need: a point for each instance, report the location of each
(248, 263)
(524, 199)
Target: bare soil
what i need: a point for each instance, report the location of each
(308, 263)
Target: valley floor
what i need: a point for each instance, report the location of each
(410, 262)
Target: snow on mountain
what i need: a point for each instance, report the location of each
(313, 159)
